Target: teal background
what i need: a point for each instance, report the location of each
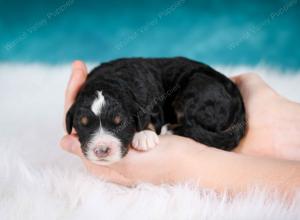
(216, 32)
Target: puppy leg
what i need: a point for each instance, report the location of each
(146, 139)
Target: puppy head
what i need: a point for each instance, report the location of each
(104, 127)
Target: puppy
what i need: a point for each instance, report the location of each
(127, 101)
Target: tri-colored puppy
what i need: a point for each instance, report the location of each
(127, 101)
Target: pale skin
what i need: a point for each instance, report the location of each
(268, 155)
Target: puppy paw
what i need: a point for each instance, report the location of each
(166, 130)
(144, 140)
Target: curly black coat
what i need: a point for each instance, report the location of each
(198, 101)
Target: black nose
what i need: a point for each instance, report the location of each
(102, 151)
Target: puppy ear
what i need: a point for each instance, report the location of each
(69, 119)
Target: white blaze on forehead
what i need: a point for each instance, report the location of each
(98, 103)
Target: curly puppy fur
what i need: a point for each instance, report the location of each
(194, 99)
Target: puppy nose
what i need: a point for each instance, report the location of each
(102, 151)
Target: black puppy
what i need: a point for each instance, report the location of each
(127, 101)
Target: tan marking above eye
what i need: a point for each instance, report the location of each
(84, 120)
(117, 119)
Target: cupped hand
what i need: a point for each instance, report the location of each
(167, 163)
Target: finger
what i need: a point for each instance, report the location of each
(71, 144)
(121, 180)
(77, 78)
(242, 82)
(234, 79)
(109, 174)
(246, 78)
(239, 79)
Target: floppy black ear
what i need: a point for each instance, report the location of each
(69, 119)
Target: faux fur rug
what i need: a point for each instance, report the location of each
(40, 181)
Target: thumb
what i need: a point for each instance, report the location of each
(71, 144)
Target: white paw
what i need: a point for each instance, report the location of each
(145, 140)
(165, 130)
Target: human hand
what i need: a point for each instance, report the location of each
(273, 122)
(160, 165)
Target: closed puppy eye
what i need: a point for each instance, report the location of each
(84, 120)
(117, 120)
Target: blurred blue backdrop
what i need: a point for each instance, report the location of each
(216, 32)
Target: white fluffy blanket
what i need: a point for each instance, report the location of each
(40, 181)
